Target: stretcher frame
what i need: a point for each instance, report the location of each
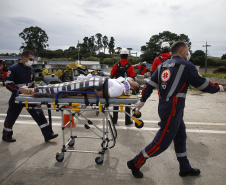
(76, 106)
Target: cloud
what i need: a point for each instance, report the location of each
(130, 22)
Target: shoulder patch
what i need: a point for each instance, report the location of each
(165, 76)
(9, 72)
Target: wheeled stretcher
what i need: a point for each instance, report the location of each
(77, 105)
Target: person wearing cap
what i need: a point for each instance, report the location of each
(3, 72)
(123, 69)
(165, 47)
(21, 75)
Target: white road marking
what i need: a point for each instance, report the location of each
(29, 122)
(122, 120)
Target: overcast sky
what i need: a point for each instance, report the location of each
(131, 22)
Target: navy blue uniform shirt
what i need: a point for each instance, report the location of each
(172, 79)
(18, 76)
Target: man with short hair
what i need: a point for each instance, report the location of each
(20, 75)
(172, 79)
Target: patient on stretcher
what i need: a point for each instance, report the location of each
(102, 86)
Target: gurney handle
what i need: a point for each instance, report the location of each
(81, 92)
(18, 92)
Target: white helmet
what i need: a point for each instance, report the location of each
(124, 52)
(165, 45)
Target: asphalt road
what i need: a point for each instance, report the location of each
(32, 161)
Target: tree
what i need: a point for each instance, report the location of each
(105, 42)
(91, 44)
(111, 45)
(35, 39)
(223, 56)
(198, 53)
(119, 49)
(99, 41)
(152, 49)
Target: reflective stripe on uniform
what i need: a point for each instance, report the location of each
(176, 81)
(8, 129)
(158, 68)
(152, 83)
(145, 154)
(181, 95)
(203, 86)
(44, 125)
(9, 82)
(184, 154)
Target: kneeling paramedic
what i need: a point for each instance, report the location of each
(22, 74)
(172, 79)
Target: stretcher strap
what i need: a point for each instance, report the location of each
(105, 92)
(81, 92)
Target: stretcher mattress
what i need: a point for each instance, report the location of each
(122, 100)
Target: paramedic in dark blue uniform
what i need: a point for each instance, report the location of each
(172, 79)
(21, 74)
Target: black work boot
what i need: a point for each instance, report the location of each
(10, 140)
(191, 172)
(50, 137)
(136, 172)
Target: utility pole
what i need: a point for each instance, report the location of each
(78, 52)
(206, 56)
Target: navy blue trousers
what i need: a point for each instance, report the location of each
(172, 129)
(14, 111)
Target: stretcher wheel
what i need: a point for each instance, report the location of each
(59, 156)
(98, 160)
(137, 115)
(140, 125)
(71, 143)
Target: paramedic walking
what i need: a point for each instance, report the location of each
(20, 75)
(124, 69)
(172, 79)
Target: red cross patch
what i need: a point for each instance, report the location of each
(165, 76)
(9, 72)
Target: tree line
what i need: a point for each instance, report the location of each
(95, 47)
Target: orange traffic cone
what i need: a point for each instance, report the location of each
(67, 119)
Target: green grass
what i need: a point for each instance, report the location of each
(210, 73)
(214, 75)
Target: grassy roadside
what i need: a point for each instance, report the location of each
(214, 75)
